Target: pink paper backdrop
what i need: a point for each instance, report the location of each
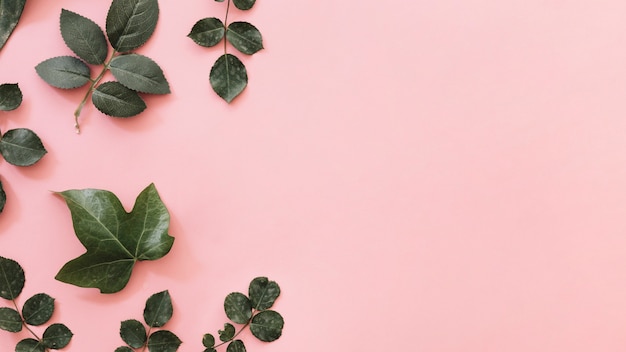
(419, 175)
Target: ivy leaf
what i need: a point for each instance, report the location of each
(84, 37)
(236, 346)
(263, 293)
(228, 333)
(228, 77)
(133, 333)
(130, 23)
(29, 345)
(56, 336)
(244, 4)
(114, 239)
(10, 13)
(238, 307)
(10, 96)
(163, 341)
(38, 309)
(3, 198)
(139, 73)
(10, 320)
(124, 349)
(207, 32)
(244, 37)
(11, 279)
(267, 326)
(158, 309)
(113, 99)
(208, 341)
(64, 72)
(21, 147)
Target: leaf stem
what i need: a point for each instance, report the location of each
(24, 322)
(226, 24)
(237, 333)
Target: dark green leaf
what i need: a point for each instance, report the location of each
(11, 278)
(84, 37)
(238, 308)
(64, 72)
(219, 0)
(124, 349)
(163, 341)
(10, 96)
(3, 198)
(10, 320)
(210, 349)
(244, 4)
(133, 333)
(29, 345)
(208, 340)
(263, 293)
(139, 73)
(114, 239)
(267, 326)
(10, 13)
(228, 333)
(113, 99)
(228, 77)
(158, 309)
(207, 32)
(38, 309)
(56, 336)
(244, 37)
(130, 23)
(236, 346)
(21, 147)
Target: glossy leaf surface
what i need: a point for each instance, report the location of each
(3, 198)
(57, 336)
(38, 309)
(10, 320)
(236, 346)
(263, 293)
(10, 96)
(267, 325)
(114, 239)
(158, 309)
(244, 37)
(29, 345)
(139, 73)
(84, 37)
(227, 333)
(238, 308)
(228, 77)
(130, 23)
(11, 278)
(10, 13)
(64, 72)
(163, 341)
(244, 4)
(133, 333)
(207, 32)
(114, 99)
(21, 147)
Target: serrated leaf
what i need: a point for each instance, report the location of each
(38, 309)
(64, 72)
(124, 349)
(113, 99)
(158, 310)
(244, 37)
(10, 320)
(11, 278)
(130, 23)
(56, 336)
(238, 307)
(84, 37)
(139, 73)
(236, 346)
(244, 4)
(208, 341)
(133, 333)
(227, 333)
(228, 77)
(163, 341)
(267, 326)
(10, 96)
(207, 32)
(29, 345)
(3, 198)
(10, 13)
(114, 239)
(21, 147)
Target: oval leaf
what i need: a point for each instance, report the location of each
(208, 341)
(238, 307)
(10, 320)
(130, 23)
(228, 333)
(244, 4)
(56, 336)
(64, 72)
(267, 326)
(10, 13)
(11, 278)
(163, 341)
(158, 309)
(228, 77)
(207, 32)
(139, 73)
(263, 293)
(236, 346)
(124, 349)
(133, 333)
(29, 345)
(21, 147)
(84, 37)
(244, 37)
(10, 96)
(3, 198)
(113, 99)
(38, 309)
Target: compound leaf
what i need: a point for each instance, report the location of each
(158, 309)
(84, 37)
(163, 341)
(38, 309)
(10, 96)
(10, 320)
(238, 308)
(56, 336)
(10, 13)
(11, 278)
(114, 99)
(267, 326)
(139, 73)
(227, 333)
(207, 32)
(263, 293)
(133, 333)
(29, 345)
(228, 77)
(244, 37)
(21, 147)
(64, 72)
(236, 346)
(244, 4)
(130, 23)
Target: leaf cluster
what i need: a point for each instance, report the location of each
(228, 75)
(36, 311)
(10, 13)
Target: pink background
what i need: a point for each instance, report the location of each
(417, 175)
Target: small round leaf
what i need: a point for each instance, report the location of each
(133, 333)
(207, 32)
(158, 310)
(236, 346)
(238, 308)
(267, 326)
(38, 309)
(228, 77)
(10, 96)
(64, 72)
(228, 333)
(124, 349)
(244, 4)
(10, 320)
(11, 278)
(244, 37)
(21, 147)
(263, 293)
(163, 341)
(29, 345)
(113, 99)
(57, 336)
(208, 340)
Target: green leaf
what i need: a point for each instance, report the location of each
(130, 23)
(263, 293)
(114, 239)
(21, 147)
(38, 309)
(236, 346)
(244, 4)
(238, 307)
(29, 345)
(84, 37)
(3, 198)
(244, 37)
(10, 13)
(10, 320)
(133, 333)
(158, 309)
(228, 333)
(10, 96)
(267, 326)
(124, 349)
(207, 32)
(219, 0)
(139, 73)
(208, 341)
(56, 336)
(11, 278)
(228, 77)
(64, 72)
(113, 99)
(163, 341)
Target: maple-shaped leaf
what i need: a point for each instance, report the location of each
(115, 240)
